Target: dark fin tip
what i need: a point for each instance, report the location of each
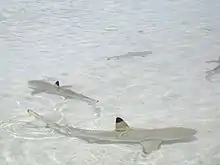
(118, 119)
(57, 83)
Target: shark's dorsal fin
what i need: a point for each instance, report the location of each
(57, 83)
(121, 125)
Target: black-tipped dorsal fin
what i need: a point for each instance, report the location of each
(57, 83)
(120, 125)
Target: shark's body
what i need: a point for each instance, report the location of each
(214, 61)
(149, 139)
(131, 54)
(40, 86)
(212, 72)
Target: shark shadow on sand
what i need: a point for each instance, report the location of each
(130, 55)
(149, 139)
(40, 86)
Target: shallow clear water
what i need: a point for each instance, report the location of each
(69, 41)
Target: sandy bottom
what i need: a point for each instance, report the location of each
(71, 41)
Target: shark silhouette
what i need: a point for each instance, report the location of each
(149, 139)
(213, 71)
(214, 61)
(131, 54)
(40, 86)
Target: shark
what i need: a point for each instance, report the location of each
(214, 61)
(131, 54)
(149, 139)
(213, 71)
(40, 86)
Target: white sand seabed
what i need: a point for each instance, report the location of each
(69, 41)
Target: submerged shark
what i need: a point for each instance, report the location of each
(131, 54)
(214, 61)
(213, 71)
(149, 139)
(40, 86)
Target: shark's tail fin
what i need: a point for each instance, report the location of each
(120, 125)
(41, 118)
(34, 114)
(64, 130)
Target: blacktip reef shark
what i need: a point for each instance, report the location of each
(40, 86)
(149, 139)
(131, 54)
